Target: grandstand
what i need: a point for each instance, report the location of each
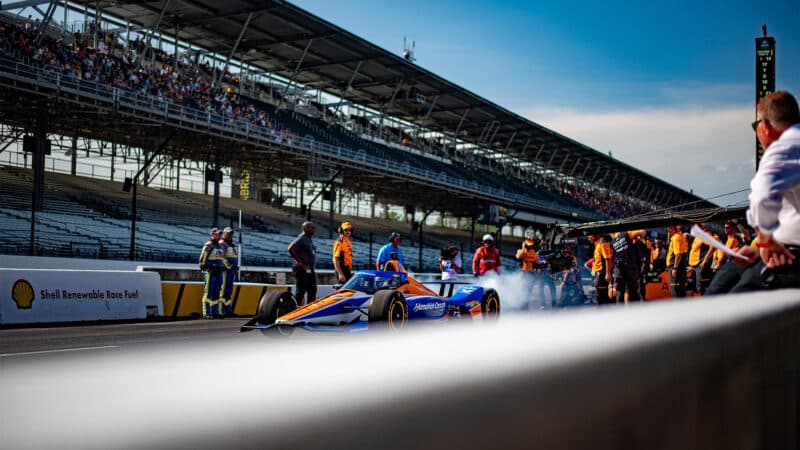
(90, 218)
(404, 137)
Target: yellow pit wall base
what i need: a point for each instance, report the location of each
(183, 298)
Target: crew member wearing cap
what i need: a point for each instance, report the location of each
(211, 263)
(231, 263)
(530, 264)
(602, 267)
(385, 253)
(677, 261)
(343, 252)
(487, 258)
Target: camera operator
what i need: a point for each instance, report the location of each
(571, 286)
(447, 264)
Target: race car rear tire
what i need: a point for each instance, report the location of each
(490, 305)
(388, 310)
(274, 304)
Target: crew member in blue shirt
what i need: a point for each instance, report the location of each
(385, 253)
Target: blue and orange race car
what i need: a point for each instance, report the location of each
(370, 298)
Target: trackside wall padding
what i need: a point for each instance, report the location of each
(182, 299)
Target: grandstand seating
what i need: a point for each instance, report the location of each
(91, 218)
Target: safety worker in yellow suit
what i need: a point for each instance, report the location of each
(231, 268)
(343, 252)
(211, 262)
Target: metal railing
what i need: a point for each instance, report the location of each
(164, 110)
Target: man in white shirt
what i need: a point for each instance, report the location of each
(775, 193)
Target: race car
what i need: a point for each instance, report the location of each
(373, 298)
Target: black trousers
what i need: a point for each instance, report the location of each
(305, 285)
(627, 277)
(677, 280)
(601, 285)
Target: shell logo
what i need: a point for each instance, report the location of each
(22, 294)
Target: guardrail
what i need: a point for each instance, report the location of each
(148, 107)
(704, 374)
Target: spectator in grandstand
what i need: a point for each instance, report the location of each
(231, 268)
(212, 263)
(343, 252)
(385, 253)
(677, 258)
(304, 251)
(602, 267)
(774, 209)
(487, 258)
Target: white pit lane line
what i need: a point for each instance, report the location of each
(79, 349)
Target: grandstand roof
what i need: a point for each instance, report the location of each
(282, 38)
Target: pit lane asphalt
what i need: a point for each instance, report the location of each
(63, 339)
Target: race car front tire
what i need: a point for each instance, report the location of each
(388, 309)
(490, 304)
(274, 304)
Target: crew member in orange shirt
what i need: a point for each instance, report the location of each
(698, 258)
(677, 258)
(343, 252)
(531, 265)
(602, 267)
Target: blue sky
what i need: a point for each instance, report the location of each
(665, 86)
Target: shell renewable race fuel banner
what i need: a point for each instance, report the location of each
(37, 296)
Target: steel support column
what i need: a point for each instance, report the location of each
(152, 31)
(232, 52)
(346, 89)
(513, 135)
(294, 75)
(575, 167)
(539, 153)
(51, 9)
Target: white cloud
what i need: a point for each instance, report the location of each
(711, 151)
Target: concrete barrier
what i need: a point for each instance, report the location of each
(717, 373)
(183, 299)
(29, 296)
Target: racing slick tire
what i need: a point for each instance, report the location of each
(274, 304)
(490, 305)
(388, 310)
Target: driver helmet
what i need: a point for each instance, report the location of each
(529, 243)
(394, 236)
(487, 238)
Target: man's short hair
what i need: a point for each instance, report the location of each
(779, 109)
